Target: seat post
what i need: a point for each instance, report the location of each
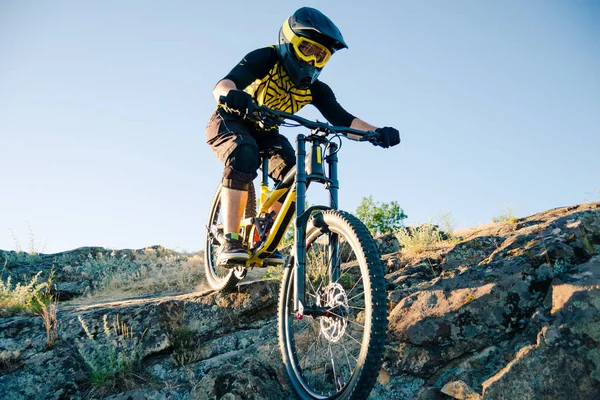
(264, 185)
(265, 170)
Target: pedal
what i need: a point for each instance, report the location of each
(232, 263)
(274, 263)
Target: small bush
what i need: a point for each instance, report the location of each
(417, 240)
(113, 360)
(23, 297)
(447, 227)
(507, 216)
(19, 258)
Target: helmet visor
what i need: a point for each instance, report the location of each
(307, 49)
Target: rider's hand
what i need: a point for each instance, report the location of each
(238, 102)
(388, 137)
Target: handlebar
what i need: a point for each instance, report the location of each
(263, 113)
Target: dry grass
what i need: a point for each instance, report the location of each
(419, 239)
(48, 309)
(149, 272)
(507, 216)
(171, 273)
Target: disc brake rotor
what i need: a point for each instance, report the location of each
(333, 298)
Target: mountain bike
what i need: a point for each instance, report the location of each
(332, 308)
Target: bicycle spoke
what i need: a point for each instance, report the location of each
(335, 381)
(313, 288)
(304, 328)
(323, 275)
(348, 320)
(353, 287)
(345, 350)
(357, 308)
(355, 296)
(307, 353)
(347, 359)
(316, 361)
(352, 337)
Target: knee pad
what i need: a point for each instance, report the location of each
(241, 166)
(244, 158)
(234, 179)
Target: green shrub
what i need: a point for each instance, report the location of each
(380, 218)
(19, 258)
(417, 240)
(114, 359)
(22, 297)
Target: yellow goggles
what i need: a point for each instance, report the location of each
(306, 49)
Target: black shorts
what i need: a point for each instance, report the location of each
(225, 133)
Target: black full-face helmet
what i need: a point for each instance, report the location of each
(307, 40)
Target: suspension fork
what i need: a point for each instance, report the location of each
(300, 231)
(332, 185)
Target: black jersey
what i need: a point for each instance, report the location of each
(262, 76)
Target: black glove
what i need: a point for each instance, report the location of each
(388, 137)
(238, 102)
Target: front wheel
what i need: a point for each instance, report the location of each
(338, 355)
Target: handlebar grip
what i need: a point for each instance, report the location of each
(372, 136)
(251, 109)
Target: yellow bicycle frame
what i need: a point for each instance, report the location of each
(280, 225)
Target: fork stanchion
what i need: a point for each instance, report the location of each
(300, 232)
(333, 185)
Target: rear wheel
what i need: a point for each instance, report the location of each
(220, 278)
(338, 355)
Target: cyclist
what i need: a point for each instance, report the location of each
(285, 78)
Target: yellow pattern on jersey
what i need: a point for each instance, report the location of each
(277, 91)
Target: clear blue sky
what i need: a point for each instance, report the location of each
(103, 107)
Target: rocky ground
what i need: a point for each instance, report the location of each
(511, 311)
